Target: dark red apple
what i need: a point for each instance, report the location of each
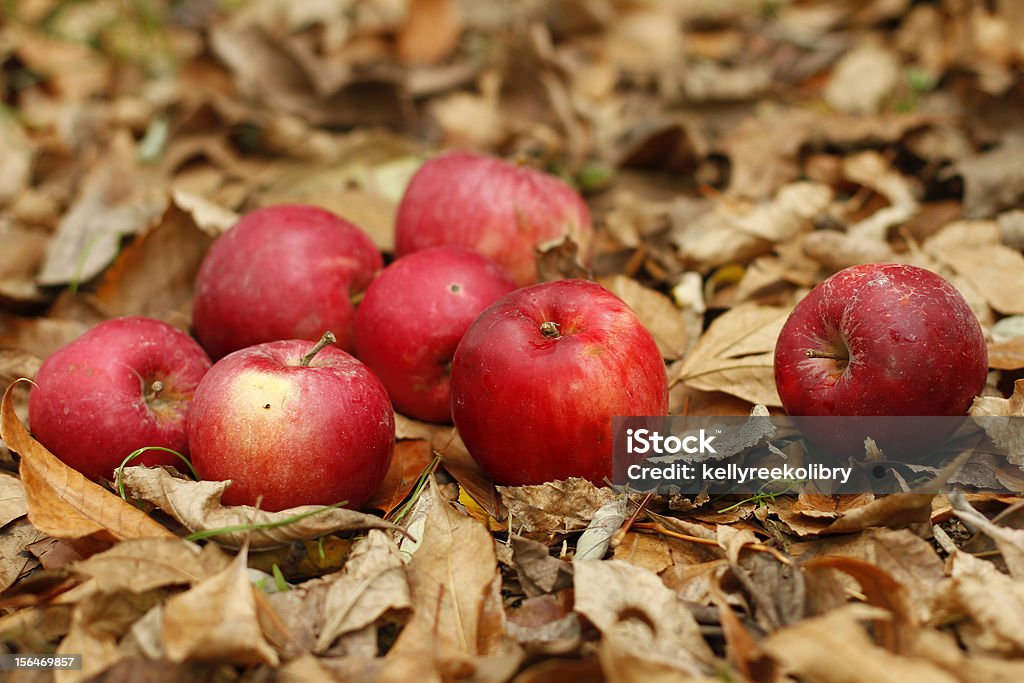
(882, 339)
(282, 272)
(292, 423)
(502, 210)
(538, 377)
(125, 384)
(412, 318)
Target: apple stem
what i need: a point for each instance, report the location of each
(550, 330)
(833, 355)
(328, 338)
(154, 390)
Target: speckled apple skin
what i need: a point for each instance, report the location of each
(915, 349)
(89, 407)
(532, 409)
(413, 317)
(287, 435)
(499, 209)
(282, 272)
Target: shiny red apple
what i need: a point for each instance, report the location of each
(886, 340)
(538, 377)
(412, 318)
(292, 423)
(502, 210)
(125, 384)
(282, 272)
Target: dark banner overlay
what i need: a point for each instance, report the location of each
(828, 455)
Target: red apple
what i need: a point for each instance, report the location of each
(538, 377)
(882, 339)
(292, 423)
(282, 272)
(124, 384)
(412, 318)
(502, 210)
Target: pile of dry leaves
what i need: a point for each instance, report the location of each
(734, 154)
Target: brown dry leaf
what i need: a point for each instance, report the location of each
(1006, 355)
(737, 231)
(260, 66)
(17, 153)
(14, 561)
(544, 622)
(140, 565)
(1008, 435)
(117, 198)
(974, 251)
(362, 186)
(40, 336)
(655, 310)
(456, 459)
(64, 504)
(306, 668)
(196, 505)
(154, 276)
(450, 575)
(1009, 541)
(557, 506)
(811, 513)
(836, 250)
(71, 67)
(764, 149)
(741, 647)
(902, 554)
(834, 648)
(372, 585)
(644, 550)
(23, 252)
(626, 658)
(736, 355)
(879, 589)
(409, 461)
(474, 510)
(870, 169)
(217, 620)
(211, 218)
(991, 600)
(864, 78)
(627, 602)
(472, 479)
(539, 573)
(12, 499)
(96, 624)
(17, 364)
(898, 509)
(993, 180)
(431, 31)
(943, 649)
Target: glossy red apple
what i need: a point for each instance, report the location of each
(500, 209)
(125, 384)
(282, 272)
(292, 423)
(538, 377)
(412, 318)
(882, 339)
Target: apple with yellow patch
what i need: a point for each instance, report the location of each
(292, 423)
